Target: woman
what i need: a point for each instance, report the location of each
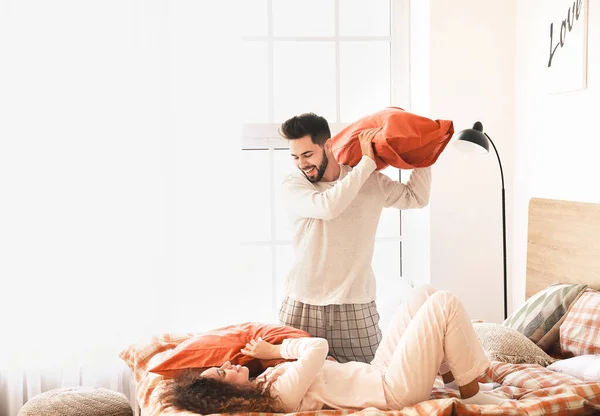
(430, 333)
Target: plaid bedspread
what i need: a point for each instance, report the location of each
(535, 390)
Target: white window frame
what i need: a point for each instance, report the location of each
(265, 136)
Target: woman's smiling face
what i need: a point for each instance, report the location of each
(234, 374)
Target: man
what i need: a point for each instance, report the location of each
(330, 290)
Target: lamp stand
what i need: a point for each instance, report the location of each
(503, 229)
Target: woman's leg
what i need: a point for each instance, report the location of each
(402, 317)
(441, 329)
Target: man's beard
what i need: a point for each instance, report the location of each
(320, 170)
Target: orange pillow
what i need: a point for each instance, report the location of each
(213, 348)
(406, 140)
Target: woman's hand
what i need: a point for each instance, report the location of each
(263, 350)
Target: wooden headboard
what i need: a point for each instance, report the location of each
(563, 244)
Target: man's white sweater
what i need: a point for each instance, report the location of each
(334, 230)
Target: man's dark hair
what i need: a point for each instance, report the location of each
(306, 124)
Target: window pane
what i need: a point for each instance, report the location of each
(284, 261)
(364, 18)
(364, 78)
(255, 94)
(303, 18)
(255, 17)
(254, 290)
(386, 266)
(386, 261)
(255, 195)
(304, 77)
(389, 224)
(283, 166)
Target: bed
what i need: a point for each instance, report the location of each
(563, 246)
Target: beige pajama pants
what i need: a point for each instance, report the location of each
(430, 334)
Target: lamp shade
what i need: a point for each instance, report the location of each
(472, 140)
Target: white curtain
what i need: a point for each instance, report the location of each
(119, 141)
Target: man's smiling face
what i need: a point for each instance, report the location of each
(309, 157)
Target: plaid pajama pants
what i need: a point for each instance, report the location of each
(352, 330)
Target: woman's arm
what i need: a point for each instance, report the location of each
(292, 385)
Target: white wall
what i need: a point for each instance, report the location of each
(556, 142)
(463, 70)
(483, 60)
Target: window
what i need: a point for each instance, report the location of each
(341, 59)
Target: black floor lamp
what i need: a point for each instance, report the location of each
(475, 140)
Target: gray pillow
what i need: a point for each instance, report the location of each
(509, 345)
(537, 317)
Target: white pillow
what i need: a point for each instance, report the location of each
(586, 367)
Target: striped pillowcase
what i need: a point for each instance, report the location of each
(543, 311)
(580, 331)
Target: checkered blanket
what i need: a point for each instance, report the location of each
(536, 390)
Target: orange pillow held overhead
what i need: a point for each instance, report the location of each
(406, 140)
(213, 348)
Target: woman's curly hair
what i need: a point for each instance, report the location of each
(192, 392)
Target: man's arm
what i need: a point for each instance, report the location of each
(304, 200)
(413, 194)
